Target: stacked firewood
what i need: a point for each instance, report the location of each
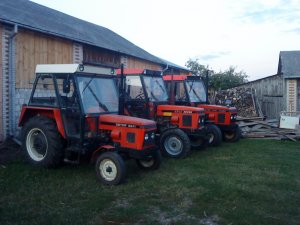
(241, 98)
(259, 128)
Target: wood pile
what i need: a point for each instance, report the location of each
(257, 127)
(243, 99)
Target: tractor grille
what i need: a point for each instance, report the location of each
(131, 137)
(187, 121)
(221, 118)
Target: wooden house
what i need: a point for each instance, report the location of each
(32, 34)
(279, 92)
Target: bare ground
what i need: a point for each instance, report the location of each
(9, 152)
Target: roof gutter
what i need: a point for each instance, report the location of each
(165, 69)
(12, 81)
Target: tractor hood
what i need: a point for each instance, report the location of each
(217, 108)
(178, 109)
(126, 121)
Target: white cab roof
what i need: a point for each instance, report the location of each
(72, 68)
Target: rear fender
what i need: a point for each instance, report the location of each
(52, 113)
(104, 148)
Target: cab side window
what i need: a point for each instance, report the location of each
(67, 94)
(180, 91)
(44, 92)
(134, 88)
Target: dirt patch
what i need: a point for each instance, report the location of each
(9, 152)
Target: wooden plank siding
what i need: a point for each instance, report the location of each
(270, 94)
(101, 57)
(34, 48)
(1, 86)
(142, 64)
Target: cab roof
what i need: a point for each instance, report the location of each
(72, 68)
(136, 71)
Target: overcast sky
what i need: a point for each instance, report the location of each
(247, 34)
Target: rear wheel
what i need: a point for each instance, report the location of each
(42, 142)
(232, 136)
(110, 168)
(214, 135)
(152, 163)
(175, 143)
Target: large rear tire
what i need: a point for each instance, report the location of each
(152, 163)
(174, 143)
(214, 135)
(110, 168)
(42, 142)
(232, 136)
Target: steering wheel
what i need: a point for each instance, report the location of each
(140, 96)
(181, 98)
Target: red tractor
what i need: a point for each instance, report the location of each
(72, 111)
(191, 91)
(179, 127)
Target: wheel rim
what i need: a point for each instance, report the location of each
(173, 146)
(211, 138)
(108, 169)
(229, 135)
(36, 144)
(147, 163)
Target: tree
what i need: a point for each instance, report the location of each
(196, 68)
(218, 81)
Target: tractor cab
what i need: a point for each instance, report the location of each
(187, 90)
(81, 93)
(144, 91)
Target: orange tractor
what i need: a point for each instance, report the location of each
(179, 127)
(72, 111)
(191, 91)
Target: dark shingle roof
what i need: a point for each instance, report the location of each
(37, 17)
(289, 64)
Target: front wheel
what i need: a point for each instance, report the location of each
(110, 168)
(198, 143)
(214, 135)
(152, 163)
(174, 143)
(232, 136)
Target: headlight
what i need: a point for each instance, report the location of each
(201, 120)
(153, 135)
(146, 137)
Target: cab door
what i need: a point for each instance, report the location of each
(69, 104)
(135, 99)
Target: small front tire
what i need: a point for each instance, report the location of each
(175, 143)
(152, 163)
(110, 168)
(232, 136)
(214, 135)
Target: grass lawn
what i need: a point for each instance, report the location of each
(249, 182)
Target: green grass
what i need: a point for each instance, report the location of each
(249, 182)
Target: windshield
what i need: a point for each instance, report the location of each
(156, 89)
(98, 94)
(196, 91)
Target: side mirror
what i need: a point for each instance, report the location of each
(66, 86)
